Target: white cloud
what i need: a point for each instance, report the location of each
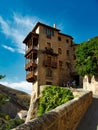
(22, 86)
(4, 26)
(17, 29)
(8, 48)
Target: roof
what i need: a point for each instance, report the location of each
(36, 26)
(28, 36)
(50, 28)
(44, 26)
(66, 35)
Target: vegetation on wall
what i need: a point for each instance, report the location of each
(87, 57)
(52, 97)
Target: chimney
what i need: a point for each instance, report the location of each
(54, 25)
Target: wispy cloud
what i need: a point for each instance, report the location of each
(8, 48)
(22, 85)
(17, 28)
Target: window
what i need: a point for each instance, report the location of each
(48, 45)
(67, 40)
(48, 32)
(59, 38)
(48, 83)
(67, 52)
(59, 50)
(60, 64)
(49, 72)
(74, 57)
(71, 43)
(68, 65)
(49, 60)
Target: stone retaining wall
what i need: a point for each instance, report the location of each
(64, 117)
(91, 85)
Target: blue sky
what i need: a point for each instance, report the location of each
(78, 18)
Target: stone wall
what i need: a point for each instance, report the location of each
(91, 84)
(64, 117)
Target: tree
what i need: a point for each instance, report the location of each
(2, 76)
(87, 57)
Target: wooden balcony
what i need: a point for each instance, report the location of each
(49, 51)
(30, 77)
(30, 64)
(30, 49)
(50, 64)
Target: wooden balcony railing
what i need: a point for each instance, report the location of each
(50, 64)
(50, 51)
(30, 77)
(30, 49)
(30, 64)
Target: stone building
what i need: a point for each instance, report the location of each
(49, 56)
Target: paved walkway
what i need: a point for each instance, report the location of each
(90, 119)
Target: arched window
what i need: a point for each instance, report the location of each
(49, 72)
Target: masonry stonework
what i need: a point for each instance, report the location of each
(49, 60)
(91, 84)
(64, 117)
(49, 56)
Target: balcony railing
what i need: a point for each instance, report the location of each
(31, 48)
(50, 64)
(30, 77)
(31, 64)
(49, 51)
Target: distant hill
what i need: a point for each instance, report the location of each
(18, 101)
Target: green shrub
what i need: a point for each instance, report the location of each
(11, 124)
(4, 98)
(52, 97)
(4, 116)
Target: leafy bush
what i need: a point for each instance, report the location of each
(4, 98)
(11, 124)
(4, 116)
(52, 97)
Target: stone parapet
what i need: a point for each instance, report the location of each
(64, 117)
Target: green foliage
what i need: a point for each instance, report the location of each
(4, 116)
(4, 99)
(52, 97)
(11, 124)
(2, 76)
(87, 57)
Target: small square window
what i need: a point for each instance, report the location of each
(49, 72)
(60, 64)
(67, 40)
(59, 50)
(67, 52)
(59, 38)
(68, 65)
(48, 44)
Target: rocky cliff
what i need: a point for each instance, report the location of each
(18, 101)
